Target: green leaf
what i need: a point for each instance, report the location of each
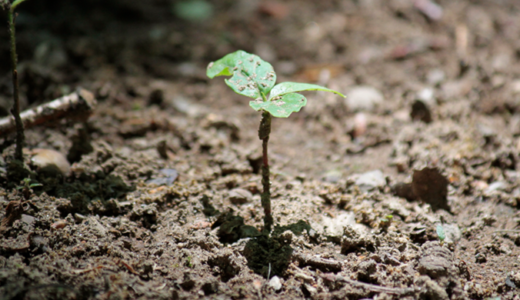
(440, 232)
(251, 76)
(193, 10)
(292, 87)
(280, 106)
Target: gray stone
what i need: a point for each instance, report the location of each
(275, 283)
(240, 196)
(435, 261)
(452, 233)
(496, 186)
(371, 180)
(363, 98)
(97, 228)
(335, 227)
(50, 161)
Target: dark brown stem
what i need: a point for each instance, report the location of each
(263, 134)
(20, 136)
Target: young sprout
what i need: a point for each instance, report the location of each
(440, 233)
(254, 78)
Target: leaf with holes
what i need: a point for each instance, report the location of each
(292, 87)
(251, 76)
(281, 106)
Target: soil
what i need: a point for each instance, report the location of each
(408, 189)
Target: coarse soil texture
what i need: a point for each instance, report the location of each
(409, 188)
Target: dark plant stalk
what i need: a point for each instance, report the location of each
(20, 136)
(263, 134)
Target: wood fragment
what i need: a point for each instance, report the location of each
(79, 271)
(128, 267)
(77, 106)
(370, 287)
(324, 264)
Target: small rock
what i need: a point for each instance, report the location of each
(50, 161)
(359, 125)
(371, 180)
(397, 208)
(363, 98)
(496, 186)
(98, 229)
(332, 176)
(435, 261)
(29, 220)
(240, 196)
(426, 95)
(171, 175)
(452, 232)
(335, 227)
(365, 269)
(275, 283)
(59, 224)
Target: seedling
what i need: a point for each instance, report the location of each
(440, 233)
(26, 187)
(20, 136)
(254, 78)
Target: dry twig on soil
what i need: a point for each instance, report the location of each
(76, 106)
(326, 265)
(370, 287)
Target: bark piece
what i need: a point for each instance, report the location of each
(77, 106)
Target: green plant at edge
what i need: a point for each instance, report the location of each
(27, 186)
(440, 232)
(20, 136)
(254, 78)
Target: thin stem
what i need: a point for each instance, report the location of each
(263, 134)
(20, 137)
(15, 4)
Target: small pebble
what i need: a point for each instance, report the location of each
(363, 98)
(371, 180)
(50, 161)
(496, 186)
(240, 196)
(275, 283)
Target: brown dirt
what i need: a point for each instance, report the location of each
(445, 139)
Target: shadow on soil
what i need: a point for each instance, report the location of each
(266, 255)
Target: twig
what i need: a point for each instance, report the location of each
(78, 106)
(370, 287)
(507, 231)
(15, 111)
(326, 265)
(128, 267)
(86, 270)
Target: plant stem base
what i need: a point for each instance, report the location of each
(263, 134)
